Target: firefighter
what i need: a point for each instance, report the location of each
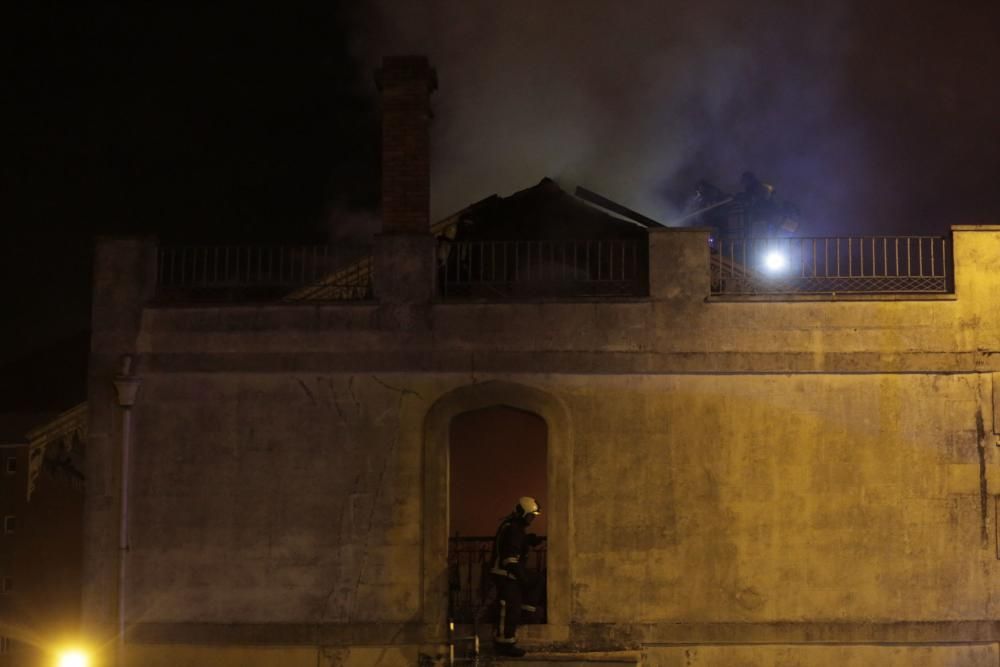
(762, 206)
(517, 589)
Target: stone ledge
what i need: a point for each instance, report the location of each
(278, 634)
(574, 362)
(614, 636)
(831, 297)
(569, 658)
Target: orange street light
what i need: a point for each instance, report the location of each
(73, 658)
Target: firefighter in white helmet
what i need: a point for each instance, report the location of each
(517, 589)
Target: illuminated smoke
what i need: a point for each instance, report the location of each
(639, 100)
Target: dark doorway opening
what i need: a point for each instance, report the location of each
(496, 455)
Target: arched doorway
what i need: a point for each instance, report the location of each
(435, 505)
(496, 455)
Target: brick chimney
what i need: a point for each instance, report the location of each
(404, 255)
(406, 84)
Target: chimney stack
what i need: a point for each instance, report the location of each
(404, 255)
(406, 84)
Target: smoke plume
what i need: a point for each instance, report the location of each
(832, 103)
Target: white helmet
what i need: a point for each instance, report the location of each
(527, 505)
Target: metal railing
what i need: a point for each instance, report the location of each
(469, 582)
(308, 272)
(540, 269)
(831, 265)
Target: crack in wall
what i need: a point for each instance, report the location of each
(379, 491)
(366, 542)
(305, 388)
(354, 397)
(401, 391)
(983, 489)
(334, 397)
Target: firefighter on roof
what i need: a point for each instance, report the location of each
(517, 588)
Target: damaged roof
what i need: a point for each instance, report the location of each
(541, 212)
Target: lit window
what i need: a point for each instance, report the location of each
(9, 523)
(11, 465)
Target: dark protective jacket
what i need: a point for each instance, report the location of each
(509, 548)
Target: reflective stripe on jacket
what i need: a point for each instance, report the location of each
(508, 545)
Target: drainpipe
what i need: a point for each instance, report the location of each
(126, 387)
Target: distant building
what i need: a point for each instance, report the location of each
(41, 509)
(752, 453)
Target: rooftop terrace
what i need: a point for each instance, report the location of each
(504, 270)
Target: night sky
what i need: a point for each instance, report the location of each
(242, 123)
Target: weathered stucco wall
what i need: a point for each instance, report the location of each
(735, 499)
(698, 499)
(168, 655)
(842, 655)
(263, 497)
(746, 472)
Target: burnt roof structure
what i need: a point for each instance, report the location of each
(543, 212)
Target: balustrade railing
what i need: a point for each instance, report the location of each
(510, 270)
(831, 265)
(539, 269)
(315, 272)
(469, 582)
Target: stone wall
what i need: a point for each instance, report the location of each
(697, 499)
(275, 498)
(804, 479)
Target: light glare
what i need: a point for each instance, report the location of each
(73, 659)
(775, 261)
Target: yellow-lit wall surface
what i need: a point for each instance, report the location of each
(731, 482)
(981, 655)
(153, 655)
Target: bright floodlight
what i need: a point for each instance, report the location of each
(775, 261)
(73, 659)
